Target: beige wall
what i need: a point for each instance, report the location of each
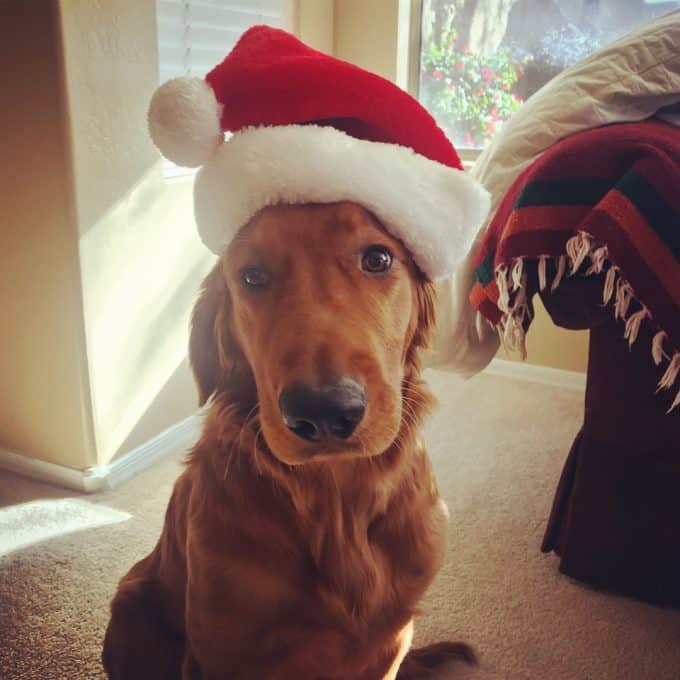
(549, 345)
(141, 259)
(313, 23)
(44, 395)
(365, 33)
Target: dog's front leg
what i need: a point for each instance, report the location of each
(139, 645)
(387, 668)
(318, 657)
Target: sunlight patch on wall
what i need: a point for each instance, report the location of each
(142, 264)
(37, 521)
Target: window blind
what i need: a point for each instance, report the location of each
(196, 35)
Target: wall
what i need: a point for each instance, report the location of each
(313, 23)
(141, 259)
(44, 394)
(365, 33)
(549, 345)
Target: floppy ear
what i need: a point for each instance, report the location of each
(427, 298)
(209, 341)
(425, 301)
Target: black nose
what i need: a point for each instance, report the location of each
(328, 412)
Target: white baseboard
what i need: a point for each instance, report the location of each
(570, 380)
(175, 439)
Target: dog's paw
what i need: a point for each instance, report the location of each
(427, 663)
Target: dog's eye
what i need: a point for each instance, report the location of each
(254, 277)
(376, 260)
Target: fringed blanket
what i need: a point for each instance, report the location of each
(605, 201)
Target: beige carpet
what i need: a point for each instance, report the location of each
(497, 446)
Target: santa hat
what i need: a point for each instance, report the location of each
(309, 128)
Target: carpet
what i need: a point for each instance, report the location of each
(497, 446)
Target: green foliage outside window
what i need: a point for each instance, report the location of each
(470, 95)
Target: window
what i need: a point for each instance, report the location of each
(479, 60)
(195, 35)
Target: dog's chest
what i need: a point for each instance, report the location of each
(362, 576)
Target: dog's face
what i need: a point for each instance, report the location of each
(316, 311)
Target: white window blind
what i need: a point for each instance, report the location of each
(196, 35)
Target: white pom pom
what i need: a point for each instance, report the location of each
(184, 121)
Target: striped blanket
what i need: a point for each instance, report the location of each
(605, 201)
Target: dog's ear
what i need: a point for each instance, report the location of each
(426, 302)
(424, 318)
(210, 345)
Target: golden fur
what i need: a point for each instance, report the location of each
(283, 559)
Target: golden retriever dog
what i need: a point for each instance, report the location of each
(307, 525)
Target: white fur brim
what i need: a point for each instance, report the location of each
(434, 209)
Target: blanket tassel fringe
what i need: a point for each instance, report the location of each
(512, 301)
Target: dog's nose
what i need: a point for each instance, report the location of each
(328, 412)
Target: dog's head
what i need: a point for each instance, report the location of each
(315, 313)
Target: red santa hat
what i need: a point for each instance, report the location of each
(309, 128)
